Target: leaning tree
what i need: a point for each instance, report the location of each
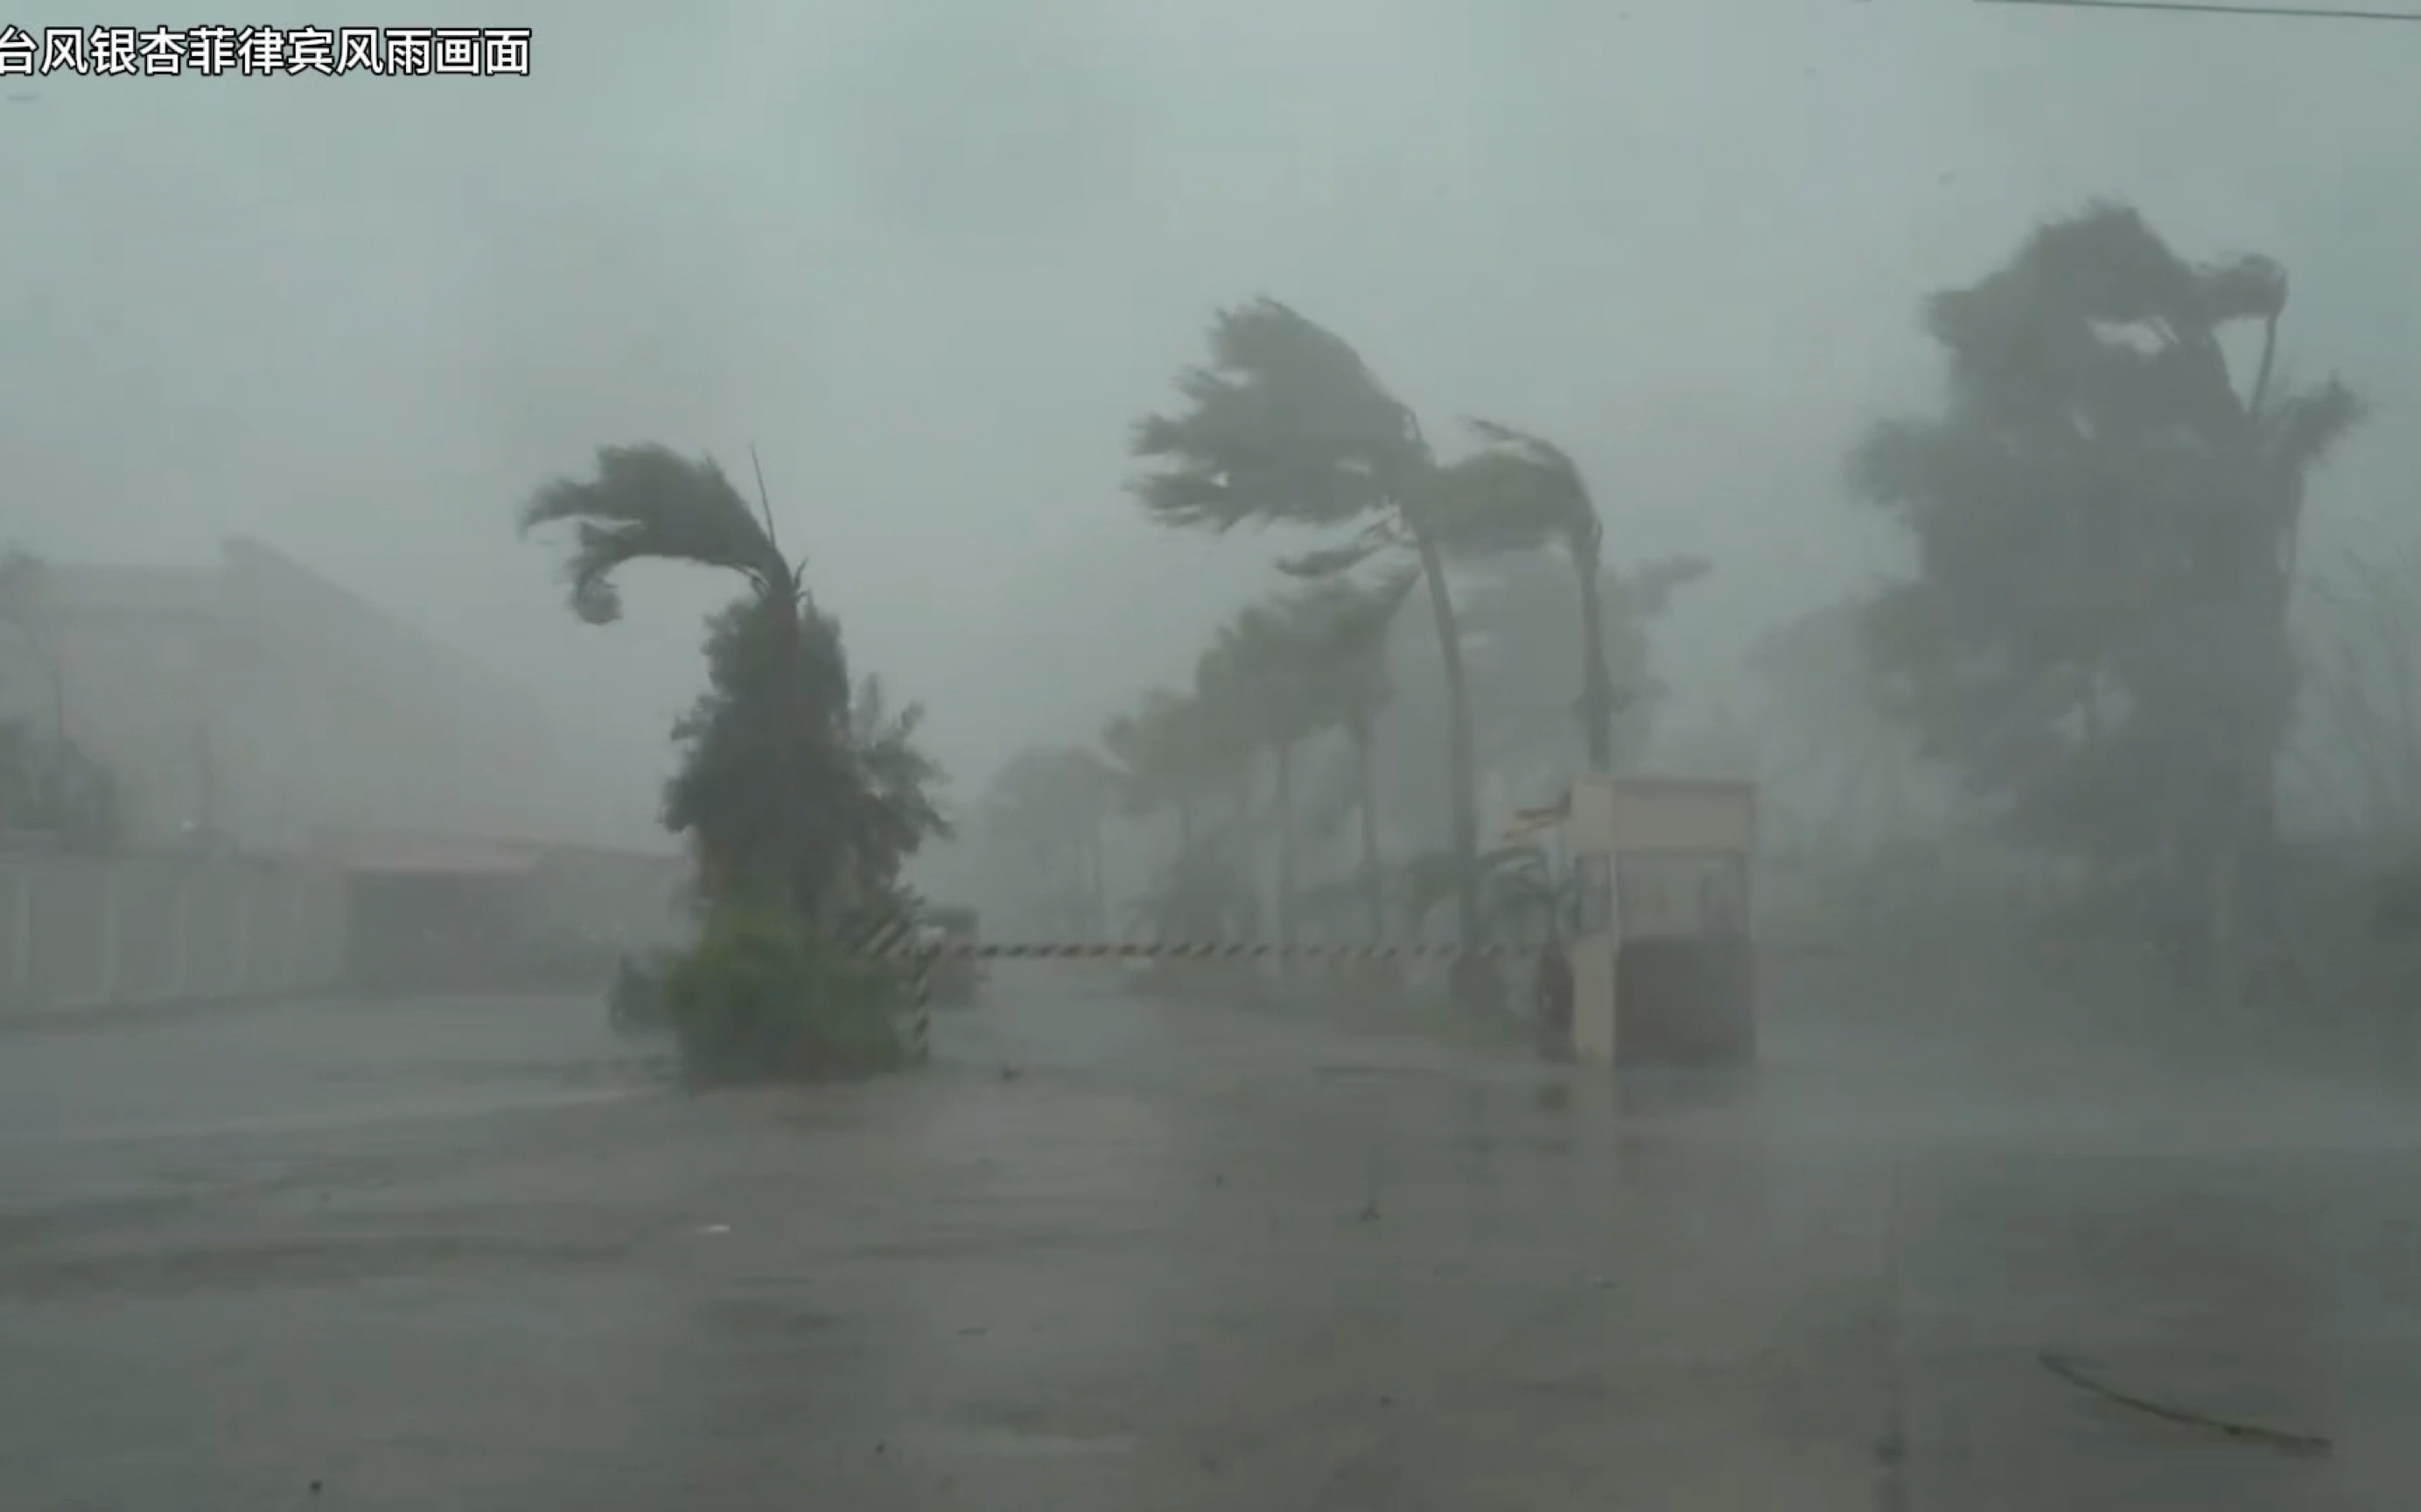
(2106, 519)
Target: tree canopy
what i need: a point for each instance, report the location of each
(1288, 425)
(791, 781)
(2106, 520)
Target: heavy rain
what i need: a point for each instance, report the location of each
(1354, 756)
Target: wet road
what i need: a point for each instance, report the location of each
(1121, 1255)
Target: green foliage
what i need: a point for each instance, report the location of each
(650, 503)
(1255, 677)
(1164, 753)
(793, 789)
(760, 682)
(861, 783)
(1518, 493)
(765, 998)
(1288, 425)
(1285, 425)
(2095, 638)
(1332, 638)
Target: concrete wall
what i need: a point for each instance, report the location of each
(80, 931)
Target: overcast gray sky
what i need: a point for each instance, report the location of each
(932, 258)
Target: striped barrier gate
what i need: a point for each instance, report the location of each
(899, 941)
(895, 939)
(1186, 950)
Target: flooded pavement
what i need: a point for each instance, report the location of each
(1117, 1255)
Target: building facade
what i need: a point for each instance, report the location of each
(255, 702)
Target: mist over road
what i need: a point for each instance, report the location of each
(1113, 1253)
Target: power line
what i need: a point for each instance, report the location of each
(2202, 8)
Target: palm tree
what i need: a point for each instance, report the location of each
(1341, 627)
(1519, 493)
(1175, 751)
(1257, 670)
(1525, 660)
(889, 811)
(1158, 759)
(1288, 425)
(847, 782)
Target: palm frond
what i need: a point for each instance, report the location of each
(648, 501)
(1330, 561)
(1285, 425)
(1519, 493)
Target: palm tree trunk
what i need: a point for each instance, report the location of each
(1374, 893)
(1101, 882)
(1243, 851)
(794, 896)
(1284, 803)
(1597, 678)
(1462, 762)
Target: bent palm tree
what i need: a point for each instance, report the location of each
(1288, 425)
(1518, 494)
(649, 501)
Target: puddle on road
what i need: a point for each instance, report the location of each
(611, 1072)
(168, 1271)
(452, 1107)
(760, 1318)
(955, 1441)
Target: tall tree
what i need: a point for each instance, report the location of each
(1519, 493)
(1341, 627)
(1288, 425)
(2106, 521)
(1518, 618)
(779, 720)
(778, 727)
(1265, 666)
(1158, 756)
(1178, 751)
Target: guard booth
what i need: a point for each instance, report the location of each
(1663, 966)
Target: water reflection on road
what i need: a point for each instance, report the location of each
(1123, 1255)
